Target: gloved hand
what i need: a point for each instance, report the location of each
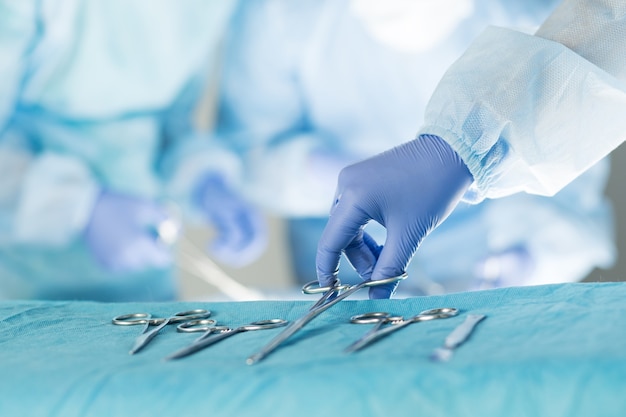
(240, 228)
(507, 268)
(410, 190)
(121, 233)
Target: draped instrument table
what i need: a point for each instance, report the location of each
(555, 350)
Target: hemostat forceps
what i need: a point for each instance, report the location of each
(325, 302)
(207, 339)
(397, 323)
(147, 320)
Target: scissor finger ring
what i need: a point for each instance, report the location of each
(313, 287)
(368, 318)
(136, 318)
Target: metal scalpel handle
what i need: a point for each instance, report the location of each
(457, 337)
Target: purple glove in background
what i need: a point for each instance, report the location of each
(241, 229)
(409, 190)
(507, 268)
(121, 233)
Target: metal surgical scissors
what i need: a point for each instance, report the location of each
(206, 326)
(325, 302)
(146, 319)
(396, 323)
(378, 318)
(224, 332)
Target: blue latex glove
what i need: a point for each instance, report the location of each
(410, 190)
(241, 229)
(510, 267)
(121, 233)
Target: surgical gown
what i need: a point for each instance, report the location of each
(310, 87)
(543, 108)
(95, 95)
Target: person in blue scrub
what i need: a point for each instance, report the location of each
(97, 136)
(516, 112)
(309, 88)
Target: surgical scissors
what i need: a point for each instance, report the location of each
(378, 318)
(224, 332)
(206, 326)
(146, 319)
(396, 323)
(325, 302)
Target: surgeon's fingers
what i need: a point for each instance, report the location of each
(241, 237)
(363, 256)
(148, 213)
(362, 253)
(344, 226)
(385, 291)
(393, 260)
(144, 252)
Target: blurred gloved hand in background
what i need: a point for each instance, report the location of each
(241, 229)
(409, 189)
(121, 233)
(506, 268)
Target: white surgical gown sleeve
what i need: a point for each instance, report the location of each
(531, 113)
(44, 200)
(263, 109)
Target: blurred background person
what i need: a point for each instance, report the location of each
(309, 87)
(96, 133)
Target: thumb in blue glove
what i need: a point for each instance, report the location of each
(241, 229)
(409, 190)
(121, 233)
